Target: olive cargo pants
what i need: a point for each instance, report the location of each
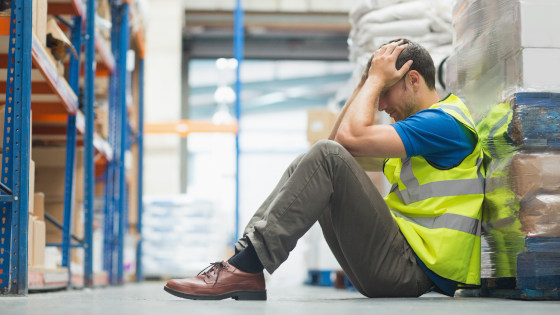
(326, 184)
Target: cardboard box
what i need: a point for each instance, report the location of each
(62, 42)
(31, 191)
(319, 124)
(38, 243)
(533, 172)
(104, 9)
(133, 191)
(540, 214)
(50, 181)
(51, 172)
(55, 208)
(100, 188)
(30, 240)
(530, 69)
(40, 20)
(102, 121)
(39, 204)
(509, 24)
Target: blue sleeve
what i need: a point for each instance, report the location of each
(435, 135)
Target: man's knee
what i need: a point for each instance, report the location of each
(327, 146)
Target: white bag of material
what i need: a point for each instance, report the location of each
(428, 41)
(366, 33)
(403, 11)
(364, 6)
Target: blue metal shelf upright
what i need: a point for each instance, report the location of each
(116, 189)
(25, 50)
(14, 197)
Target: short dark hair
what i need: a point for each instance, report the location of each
(422, 61)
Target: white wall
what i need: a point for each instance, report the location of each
(163, 94)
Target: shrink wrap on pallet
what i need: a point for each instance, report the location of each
(503, 66)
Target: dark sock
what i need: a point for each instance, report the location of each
(247, 260)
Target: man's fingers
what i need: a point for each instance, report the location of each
(392, 47)
(381, 51)
(401, 47)
(404, 69)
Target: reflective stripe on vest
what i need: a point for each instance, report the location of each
(458, 111)
(450, 221)
(415, 192)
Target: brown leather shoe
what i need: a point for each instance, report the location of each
(221, 281)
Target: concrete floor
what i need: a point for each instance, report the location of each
(149, 298)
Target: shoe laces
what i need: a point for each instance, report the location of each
(214, 268)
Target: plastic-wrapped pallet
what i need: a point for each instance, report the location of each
(503, 67)
(376, 22)
(510, 48)
(181, 235)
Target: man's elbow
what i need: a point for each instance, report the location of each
(347, 140)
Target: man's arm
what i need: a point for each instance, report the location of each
(356, 131)
(357, 89)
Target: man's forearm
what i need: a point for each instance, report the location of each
(342, 113)
(361, 110)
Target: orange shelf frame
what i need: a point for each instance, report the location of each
(56, 120)
(58, 84)
(66, 7)
(185, 127)
(66, 101)
(104, 51)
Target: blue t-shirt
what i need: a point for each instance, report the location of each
(443, 142)
(435, 135)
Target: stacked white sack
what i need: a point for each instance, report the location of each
(375, 22)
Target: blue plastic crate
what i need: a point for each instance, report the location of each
(320, 278)
(538, 271)
(542, 244)
(536, 120)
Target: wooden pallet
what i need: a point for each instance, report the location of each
(508, 288)
(42, 279)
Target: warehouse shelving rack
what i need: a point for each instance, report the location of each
(25, 51)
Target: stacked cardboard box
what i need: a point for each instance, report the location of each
(50, 179)
(36, 233)
(504, 70)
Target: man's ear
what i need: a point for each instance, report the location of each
(414, 79)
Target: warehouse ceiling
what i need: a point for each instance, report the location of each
(268, 36)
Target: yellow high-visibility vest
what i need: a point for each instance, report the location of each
(438, 210)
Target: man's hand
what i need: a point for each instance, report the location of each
(383, 71)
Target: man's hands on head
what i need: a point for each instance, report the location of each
(383, 71)
(354, 128)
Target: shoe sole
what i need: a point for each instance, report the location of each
(236, 295)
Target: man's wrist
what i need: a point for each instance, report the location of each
(375, 82)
